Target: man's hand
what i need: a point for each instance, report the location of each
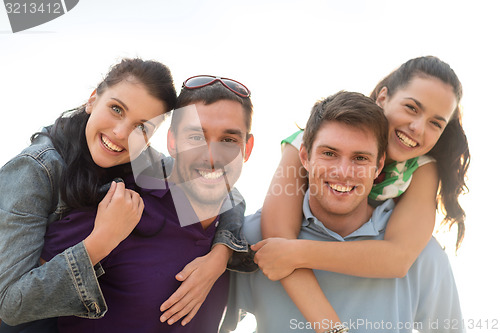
(197, 278)
(276, 257)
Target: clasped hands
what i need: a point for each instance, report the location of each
(277, 257)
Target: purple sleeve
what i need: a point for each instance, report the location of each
(67, 232)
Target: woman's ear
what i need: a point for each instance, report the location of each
(90, 103)
(382, 97)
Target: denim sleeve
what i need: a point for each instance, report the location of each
(229, 233)
(67, 284)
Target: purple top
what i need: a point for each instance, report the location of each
(140, 272)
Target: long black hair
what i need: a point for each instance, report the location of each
(81, 177)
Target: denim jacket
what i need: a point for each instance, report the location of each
(67, 284)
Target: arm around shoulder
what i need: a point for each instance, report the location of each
(29, 188)
(407, 233)
(412, 222)
(282, 209)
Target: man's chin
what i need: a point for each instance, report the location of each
(206, 196)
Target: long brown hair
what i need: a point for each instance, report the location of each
(452, 149)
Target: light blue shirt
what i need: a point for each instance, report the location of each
(426, 299)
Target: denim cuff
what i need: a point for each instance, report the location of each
(242, 262)
(242, 257)
(227, 238)
(85, 281)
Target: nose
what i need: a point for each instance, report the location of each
(220, 154)
(122, 130)
(208, 155)
(343, 169)
(417, 126)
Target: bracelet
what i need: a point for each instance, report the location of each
(339, 328)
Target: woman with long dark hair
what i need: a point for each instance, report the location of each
(64, 168)
(427, 160)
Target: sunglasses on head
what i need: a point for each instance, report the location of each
(200, 81)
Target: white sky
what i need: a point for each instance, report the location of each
(289, 53)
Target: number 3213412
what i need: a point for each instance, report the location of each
(33, 8)
(486, 324)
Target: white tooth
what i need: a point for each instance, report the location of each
(111, 145)
(341, 188)
(211, 175)
(406, 140)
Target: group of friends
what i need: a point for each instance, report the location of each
(100, 232)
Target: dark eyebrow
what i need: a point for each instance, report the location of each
(192, 128)
(355, 153)
(437, 117)
(420, 106)
(119, 101)
(234, 132)
(440, 119)
(126, 109)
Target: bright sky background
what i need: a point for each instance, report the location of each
(289, 53)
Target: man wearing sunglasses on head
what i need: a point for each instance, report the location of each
(167, 256)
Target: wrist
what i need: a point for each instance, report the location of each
(96, 248)
(221, 252)
(299, 254)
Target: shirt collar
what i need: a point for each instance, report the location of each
(372, 227)
(155, 186)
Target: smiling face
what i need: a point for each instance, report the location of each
(122, 119)
(209, 146)
(417, 115)
(342, 166)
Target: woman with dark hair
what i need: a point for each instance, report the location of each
(71, 165)
(427, 152)
(64, 168)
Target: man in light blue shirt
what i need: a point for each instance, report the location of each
(342, 158)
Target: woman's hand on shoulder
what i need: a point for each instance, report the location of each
(117, 215)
